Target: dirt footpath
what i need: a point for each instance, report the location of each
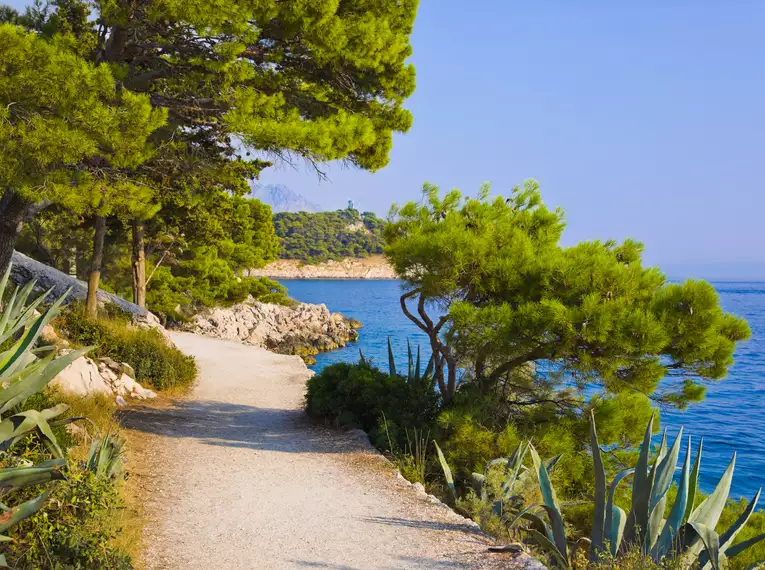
(240, 479)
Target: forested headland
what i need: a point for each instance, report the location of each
(317, 237)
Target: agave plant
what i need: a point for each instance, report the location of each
(514, 477)
(105, 456)
(414, 371)
(23, 374)
(687, 533)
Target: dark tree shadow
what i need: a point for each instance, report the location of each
(241, 426)
(428, 525)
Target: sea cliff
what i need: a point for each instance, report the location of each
(373, 267)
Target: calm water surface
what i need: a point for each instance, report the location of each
(731, 418)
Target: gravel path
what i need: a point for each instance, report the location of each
(241, 479)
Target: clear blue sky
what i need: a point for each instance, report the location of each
(642, 119)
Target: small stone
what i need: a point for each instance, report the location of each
(77, 431)
(49, 336)
(121, 401)
(110, 363)
(125, 368)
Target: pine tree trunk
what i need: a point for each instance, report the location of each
(451, 383)
(139, 264)
(95, 266)
(12, 210)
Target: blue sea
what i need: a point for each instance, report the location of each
(731, 418)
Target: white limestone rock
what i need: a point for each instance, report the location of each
(303, 330)
(83, 378)
(106, 376)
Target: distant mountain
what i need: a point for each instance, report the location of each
(282, 199)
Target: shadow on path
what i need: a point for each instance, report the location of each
(429, 525)
(407, 562)
(241, 426)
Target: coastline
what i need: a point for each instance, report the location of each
(373, 268)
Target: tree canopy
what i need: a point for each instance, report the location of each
(197, 254)
(241, 84)
(502, 300)
(67, 134)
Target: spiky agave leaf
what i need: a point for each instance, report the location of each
(551, 502)
(391, 360)
(19, 477)
(410, 361)
(34, 331)
(447, 470)
(544, 535)
(637, 520)
(693, 484)
(599, 516)
(21, 512)
(616, 518)
(696, 531)
(513, 468)
(727, 538)
(709, 511)
(105, 456)
(24, 385)
(22, 424)
(674, 521)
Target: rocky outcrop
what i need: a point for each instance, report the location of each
(86, 376)
(304, 329)
(26, 269)
(373, 267)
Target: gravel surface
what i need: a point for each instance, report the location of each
(241, 479)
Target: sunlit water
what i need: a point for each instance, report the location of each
(731, 418)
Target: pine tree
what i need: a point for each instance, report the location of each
(68, 136)
(532, 320)
(246, 83)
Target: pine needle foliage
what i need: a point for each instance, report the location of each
(542, 323)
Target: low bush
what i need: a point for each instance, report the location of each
(75, 528)
(78, 525)
(388, 407)
(155, 362)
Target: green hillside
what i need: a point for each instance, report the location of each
(322, 236)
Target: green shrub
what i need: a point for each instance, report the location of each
(357, 395)
(155, 362)
(74, 530)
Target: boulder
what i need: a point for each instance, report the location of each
(26, 269)
(303, 330)
(49, 336)
(85, 377)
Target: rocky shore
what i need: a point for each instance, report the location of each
(373, 267)
(304, 330)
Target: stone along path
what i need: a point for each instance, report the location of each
(241, 479)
